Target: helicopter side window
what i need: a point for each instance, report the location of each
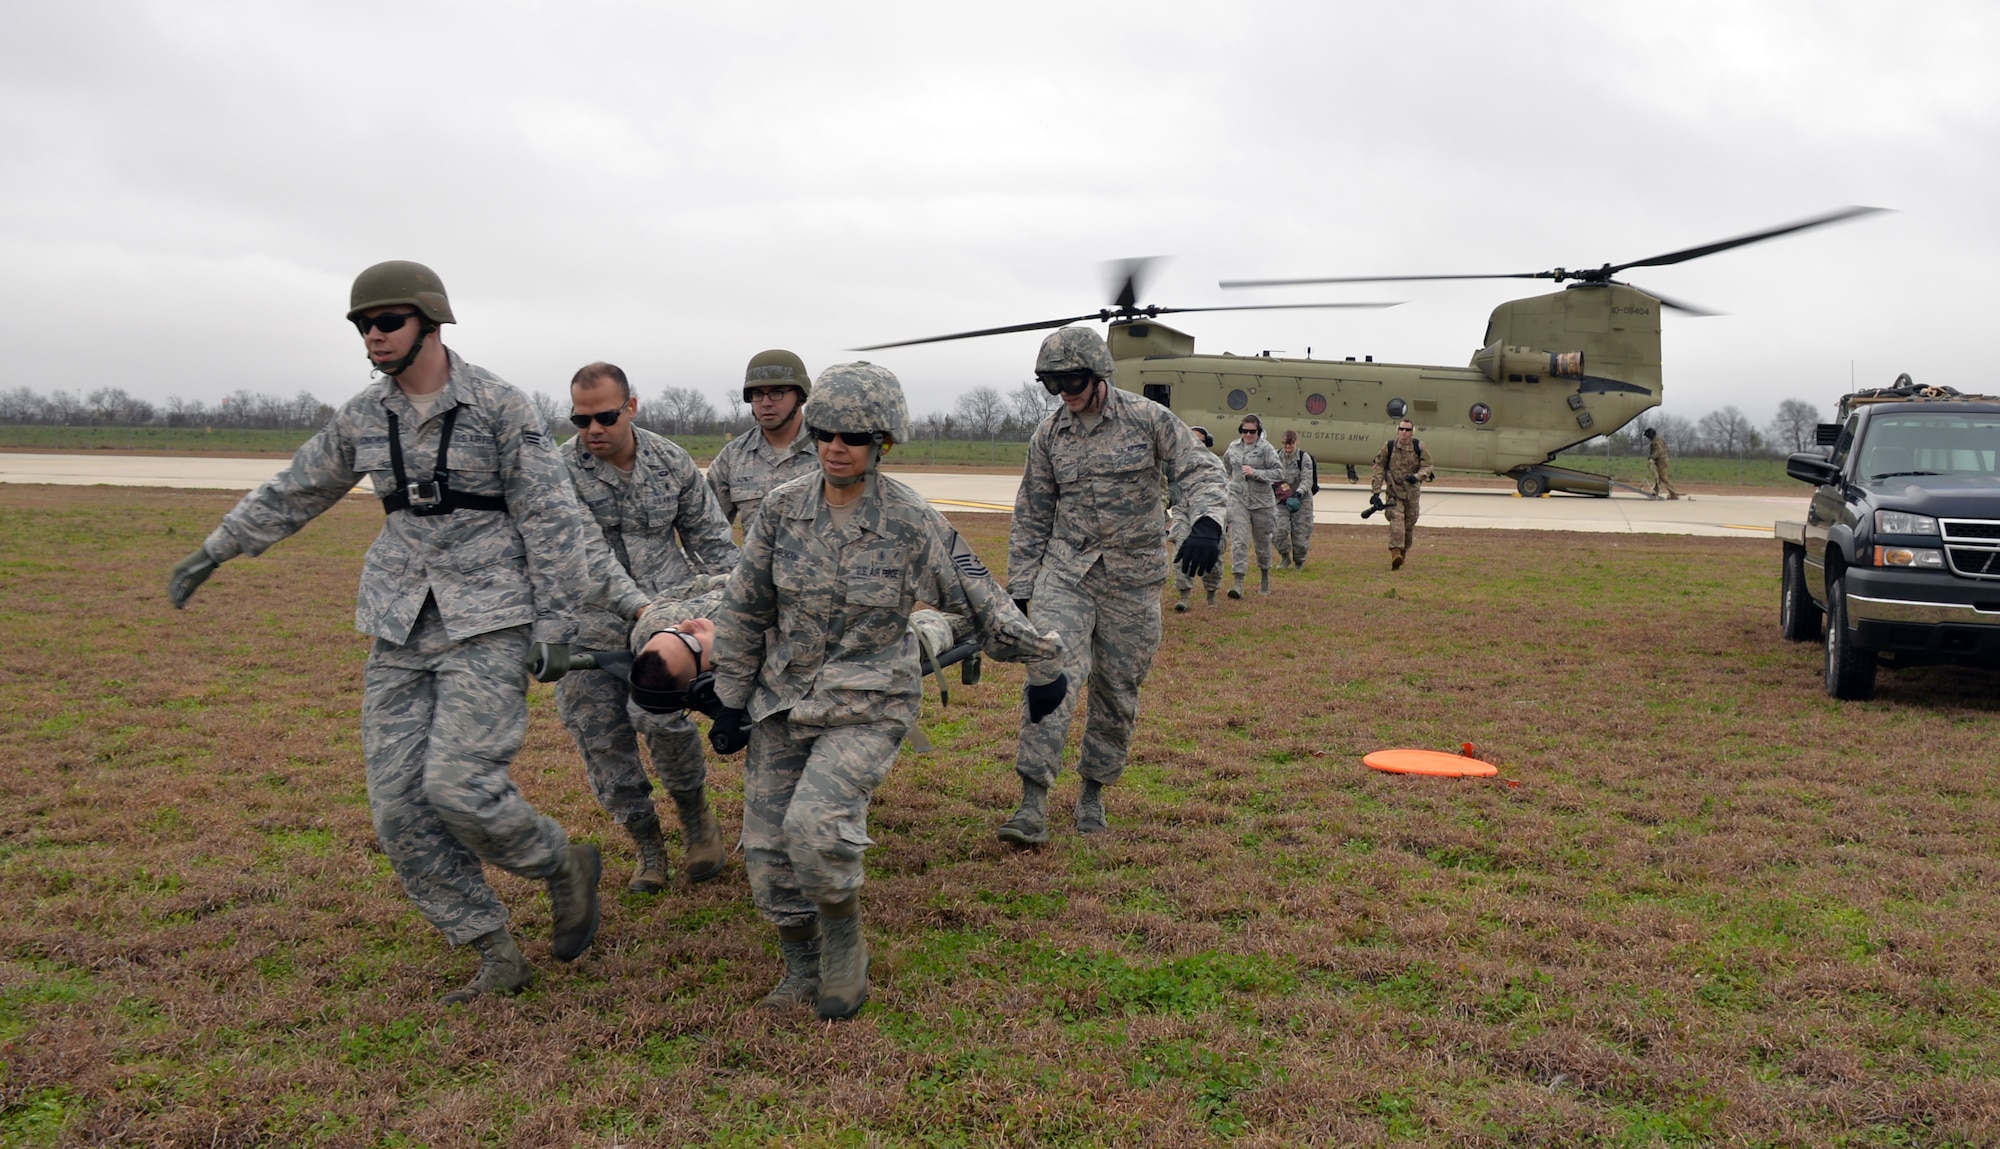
(1480, 413)
(1238, 399)
(1398, 408)
(1315, 404)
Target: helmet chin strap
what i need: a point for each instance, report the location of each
(401, 365)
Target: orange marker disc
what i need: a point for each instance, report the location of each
(1434, 763)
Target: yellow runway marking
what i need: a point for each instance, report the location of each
(1741, 527)
(980, 506)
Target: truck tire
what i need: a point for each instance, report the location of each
(1798, 614)
(1850, 671)
(1531, 486)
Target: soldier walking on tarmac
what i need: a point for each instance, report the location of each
(1402, 466)
(1295, 509)
(1656, 453)
(477, 568)
(817, 673)
(1084, 558)
(1179, 523)
(655, 528)
(751, 466)
(1254, 467)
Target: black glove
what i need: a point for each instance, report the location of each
(1203, 548)
(1021, 604)
(731, 730)
(189, 573)
(1043, 699)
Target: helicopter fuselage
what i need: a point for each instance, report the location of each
(1556, 370)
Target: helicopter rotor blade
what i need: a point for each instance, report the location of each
(1042, 326)
(1145, 312)
(1722, 245)
(1376, 279)
(1677, 305)
(1128, 278)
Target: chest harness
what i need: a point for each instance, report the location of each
(432, 496)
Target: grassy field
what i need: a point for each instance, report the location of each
(1702, 904)
(1686, 471)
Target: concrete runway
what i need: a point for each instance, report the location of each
(1735, 516)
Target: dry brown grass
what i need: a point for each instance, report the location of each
(1702, 904)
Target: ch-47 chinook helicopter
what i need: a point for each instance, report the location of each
(1553, 371)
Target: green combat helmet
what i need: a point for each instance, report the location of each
(859, 399)
(777, 368)
(401, 281)
(1073, 351)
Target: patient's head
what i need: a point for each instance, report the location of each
(669, 663)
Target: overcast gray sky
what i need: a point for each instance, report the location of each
(189, 187)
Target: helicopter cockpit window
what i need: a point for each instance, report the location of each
(1238, 399)
(1315, 404)
(1398, 408)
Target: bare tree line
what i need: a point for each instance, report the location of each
(114, 407)
(1727, 433)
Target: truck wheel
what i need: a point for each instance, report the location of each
(1798, 614)
(1850, 671)
(1531, 486)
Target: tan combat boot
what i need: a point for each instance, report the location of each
(843, 960)
(699, 832)
(651, 876)
(573, 901)
(1395, 558)
(800, 986)
(502, 969)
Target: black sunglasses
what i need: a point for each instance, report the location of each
(851, 438)
(1248, 430)
(385, 323)
(604, 418)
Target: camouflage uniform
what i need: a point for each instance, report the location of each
(1657, 455)
(453, 602)
(1251, 507)
(652, 532)
(1179, 523)
(1088, 548)
(748, 468)
(1295, 527)
(1402, 471)
(814, 642)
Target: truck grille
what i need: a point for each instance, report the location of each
(1972, 546)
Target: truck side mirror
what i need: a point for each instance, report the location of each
(1808, 467)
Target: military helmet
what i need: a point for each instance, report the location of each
(1650, 432)
(777, 368)
(1072, 351)
(400, 281)
(859, 398)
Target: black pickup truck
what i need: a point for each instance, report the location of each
(1900, 551)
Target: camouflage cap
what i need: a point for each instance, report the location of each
(400, 281)
(777, 368)
(1073, 350)
(859, 398)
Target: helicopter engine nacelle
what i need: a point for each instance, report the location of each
(1519, 365)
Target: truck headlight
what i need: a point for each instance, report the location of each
(1904, 523)
(1921, 557)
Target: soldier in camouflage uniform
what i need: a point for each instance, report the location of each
(751, 466)
(479, 564)
(1402, 467)
(1252, 465)
(817, 672)
(1295, 511)
(1179, 523)
(1656, 454)
(656, 527)
(1085, 557)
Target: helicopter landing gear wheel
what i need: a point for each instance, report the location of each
(1532, 486)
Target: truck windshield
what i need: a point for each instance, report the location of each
(1931, 443)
